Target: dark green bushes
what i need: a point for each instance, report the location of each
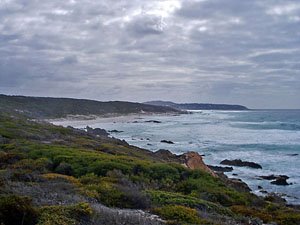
(176, 214)
(212, 189)
(64, 215)
(16, 210)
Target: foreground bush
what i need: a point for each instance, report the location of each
(65, 215)
(176, 214)
(16, 210)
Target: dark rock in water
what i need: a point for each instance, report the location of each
(167, 142)
(280, 181)
(149, 144)
(292, 154)
(221, 168)
(152, 121)
(259, 187)
(234, 174)
(273, 177)
(277, 179)
(269, 177)
(115, 131)
(238, 162)
(263, 191)
(96, 131)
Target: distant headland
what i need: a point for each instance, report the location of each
(197, 106)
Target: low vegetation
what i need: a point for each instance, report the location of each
(55, 175)
(43, 107)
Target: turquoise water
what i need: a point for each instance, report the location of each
(268, 137)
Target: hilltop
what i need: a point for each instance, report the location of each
(196, 106)
(46, 107)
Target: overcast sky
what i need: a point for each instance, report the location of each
(218, 51)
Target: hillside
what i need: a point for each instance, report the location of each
(60, 176)
(44, 107)
(197, 106)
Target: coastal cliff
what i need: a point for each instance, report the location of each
(55, 175)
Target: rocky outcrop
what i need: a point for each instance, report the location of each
(191, 160)
(240, 163)
(166, 155)
(194, 161)
(235, 183)
(96, 131)
(223, 169)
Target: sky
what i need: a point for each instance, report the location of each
(212, 51)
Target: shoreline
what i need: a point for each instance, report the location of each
(117, 118)
(108, 118)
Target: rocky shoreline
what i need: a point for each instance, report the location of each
(194, 160)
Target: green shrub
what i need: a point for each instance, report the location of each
(64, 168)
(160, 171)
(271, 213)
(9, 158)
(212, 189)
(64, 215)
(101, 168)
(160, 198)
(179, 214)
(16, 210)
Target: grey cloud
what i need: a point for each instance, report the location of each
(146, 25)
(72, 59)
(183, 50)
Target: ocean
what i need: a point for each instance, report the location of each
(270, 138)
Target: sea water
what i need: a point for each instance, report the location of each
(270, 138)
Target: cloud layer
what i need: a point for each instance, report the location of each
(218, 51)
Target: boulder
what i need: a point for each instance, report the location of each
(280, 181)
(239, 162)
(166, 155)
(276, 179)
(96, 131)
